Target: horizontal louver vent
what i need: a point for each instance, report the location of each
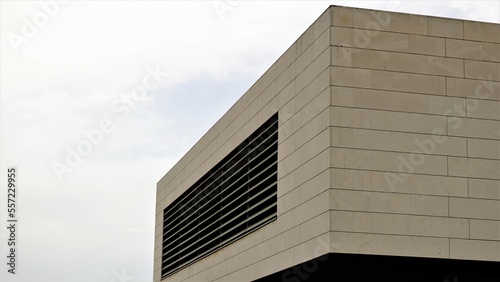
(234, 198)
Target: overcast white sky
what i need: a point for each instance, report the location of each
(89, 153)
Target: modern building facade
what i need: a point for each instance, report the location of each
(369, 151)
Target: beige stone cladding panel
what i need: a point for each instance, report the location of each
(483, 109)
(484, 188)
(406, 62)
(484, 89)
(399, 224)
(391, 203)
(475, 249)
(484, 229)
(384, 80)
(473, 50)
(398, 142)
(417, 184)
(388, 121)
(482, 70)
(388, 161)
(475, 208)
(387, 41)
(474, 128)
(476, 168)
(483, 148)
(416, 63)
(408, 102)
(481, 31)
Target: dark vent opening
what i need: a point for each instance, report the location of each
(237, 196)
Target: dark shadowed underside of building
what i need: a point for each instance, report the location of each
(367, 268)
